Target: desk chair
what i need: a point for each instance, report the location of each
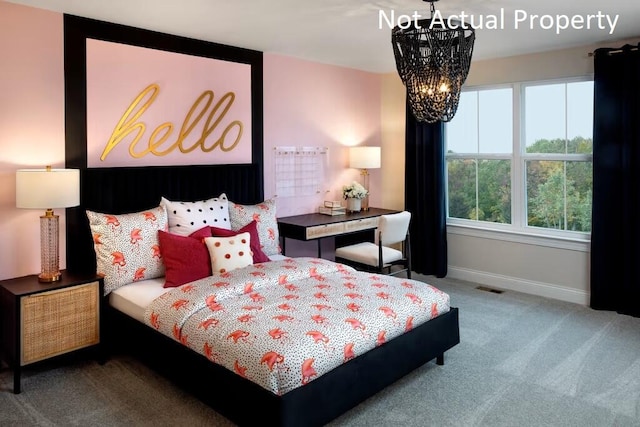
(379, 257)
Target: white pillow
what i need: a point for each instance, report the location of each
(187, 217)
(229, 253)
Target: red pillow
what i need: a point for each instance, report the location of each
(201, 233)
(185, 258)
(254, 239)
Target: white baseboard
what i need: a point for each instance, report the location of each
(498, 281)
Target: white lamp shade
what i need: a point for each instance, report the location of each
(364, 157)
(47, 188)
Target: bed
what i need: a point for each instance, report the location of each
(320, 396)
(126, 324)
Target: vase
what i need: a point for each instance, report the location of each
(354, 205)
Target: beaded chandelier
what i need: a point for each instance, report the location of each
(433, 58)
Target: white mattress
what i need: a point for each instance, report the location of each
(133, 299)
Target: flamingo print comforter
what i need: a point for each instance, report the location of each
(282, 324)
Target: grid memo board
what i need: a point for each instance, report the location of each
(299, 171)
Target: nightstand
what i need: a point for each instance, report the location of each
(43, 320)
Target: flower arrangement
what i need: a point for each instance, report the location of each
(354, 191)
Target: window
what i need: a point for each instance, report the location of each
(519, 158)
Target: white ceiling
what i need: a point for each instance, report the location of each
(346, 32)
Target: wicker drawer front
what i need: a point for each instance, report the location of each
(59, 321)
(325, 230)
(361, 224)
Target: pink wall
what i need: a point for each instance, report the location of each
(311, 104)
(305, 103)
(31, 124)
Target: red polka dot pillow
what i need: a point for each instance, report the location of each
(264, 214)
(229, 253)
(127, 247)
(187, 217)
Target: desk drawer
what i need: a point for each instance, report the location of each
(325, 230)
(360, 224)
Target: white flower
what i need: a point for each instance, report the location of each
(354, 191)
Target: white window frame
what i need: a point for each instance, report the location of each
(518, 230)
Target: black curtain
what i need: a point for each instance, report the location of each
(615, 251)
(425, 195)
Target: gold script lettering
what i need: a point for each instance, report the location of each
(129, 124)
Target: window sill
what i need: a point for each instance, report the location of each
(520, 237)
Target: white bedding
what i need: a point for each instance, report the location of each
(134, 298)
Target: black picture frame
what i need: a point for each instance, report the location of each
(76, 32)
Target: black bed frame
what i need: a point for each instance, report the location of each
(124, 189)
(314, 404)
(121, 190)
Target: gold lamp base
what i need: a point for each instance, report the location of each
(49, 255)
(365, 184)
(49, 278)
(365, 204)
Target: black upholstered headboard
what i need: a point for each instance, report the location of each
(123, 190)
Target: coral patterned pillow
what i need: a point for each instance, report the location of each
(229, 253)
(185, 258)
(265, 215)
(126, 246)
(187, 217)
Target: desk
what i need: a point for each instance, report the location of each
(317, 226)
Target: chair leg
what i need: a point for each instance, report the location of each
(407, 248)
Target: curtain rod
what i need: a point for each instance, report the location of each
(614, 51)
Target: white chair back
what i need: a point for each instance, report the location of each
(393, 228)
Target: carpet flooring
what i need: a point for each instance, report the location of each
(522, 361)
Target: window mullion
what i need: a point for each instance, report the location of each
(566, 151)
(477, 161)
(518, 182)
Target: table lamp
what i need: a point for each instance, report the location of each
(48, 189)
(364, 158)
